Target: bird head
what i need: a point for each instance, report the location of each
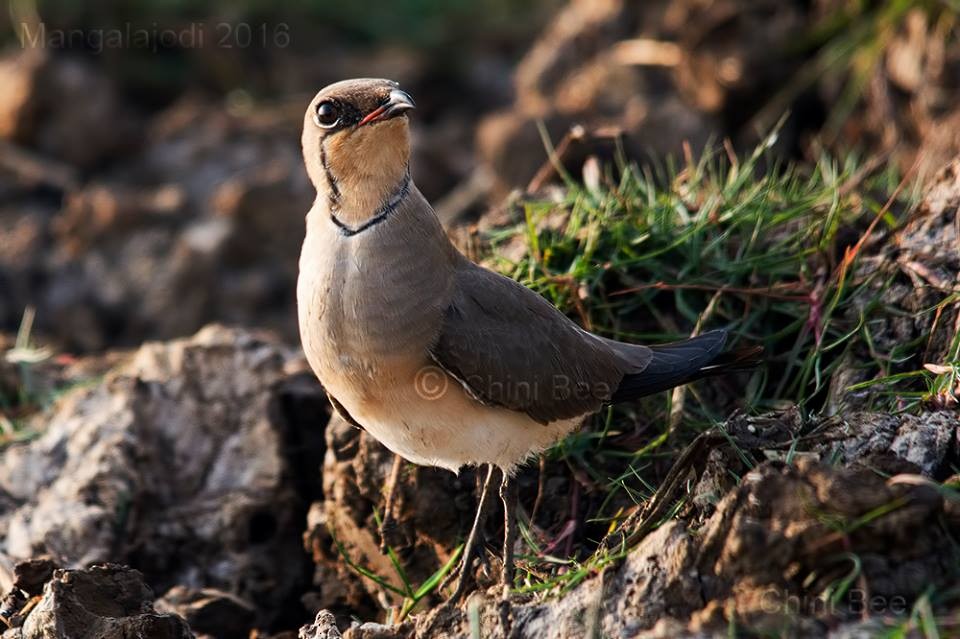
(356, 143)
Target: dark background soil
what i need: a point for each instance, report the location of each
(150, 188)
(149, 175)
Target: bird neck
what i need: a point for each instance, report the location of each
(361, 173)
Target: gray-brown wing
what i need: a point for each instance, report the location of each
(510, 347)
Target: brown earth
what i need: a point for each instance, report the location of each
(198, 204)
(210, 463)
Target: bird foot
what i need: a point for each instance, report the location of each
(472, 546)
(462, 576)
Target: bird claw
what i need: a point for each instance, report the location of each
(389, 528)
(449, 579)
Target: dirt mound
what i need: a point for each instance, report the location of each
(105, 601)
(804, 550)
(662, 75)
(193, 462)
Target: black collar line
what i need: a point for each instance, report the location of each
(334, 196)
(382, 213)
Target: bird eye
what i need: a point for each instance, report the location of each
(327, 116)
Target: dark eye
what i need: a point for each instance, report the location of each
(328, 115)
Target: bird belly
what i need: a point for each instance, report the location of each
(429, 419)
(425, 415)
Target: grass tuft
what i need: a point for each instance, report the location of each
(780, 255)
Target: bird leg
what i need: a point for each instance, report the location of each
(509, 496)
(470, 549)
(388, 525)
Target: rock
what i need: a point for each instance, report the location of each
(105, 601)
(910, 443)
(891, 444)
(184, 462)
(571, 45)
(913, 271)
(371, 630)
(751, 549)
(865, 435)
(761, 561)
(925, 440)
(32, 574)
(733, 54)
(29, 579)
(323, 627)
(797, 514)
(931, 235)
(655, 580)
(210, 611)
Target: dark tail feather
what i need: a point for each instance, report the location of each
(683, 362)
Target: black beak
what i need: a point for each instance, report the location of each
(399, 102)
